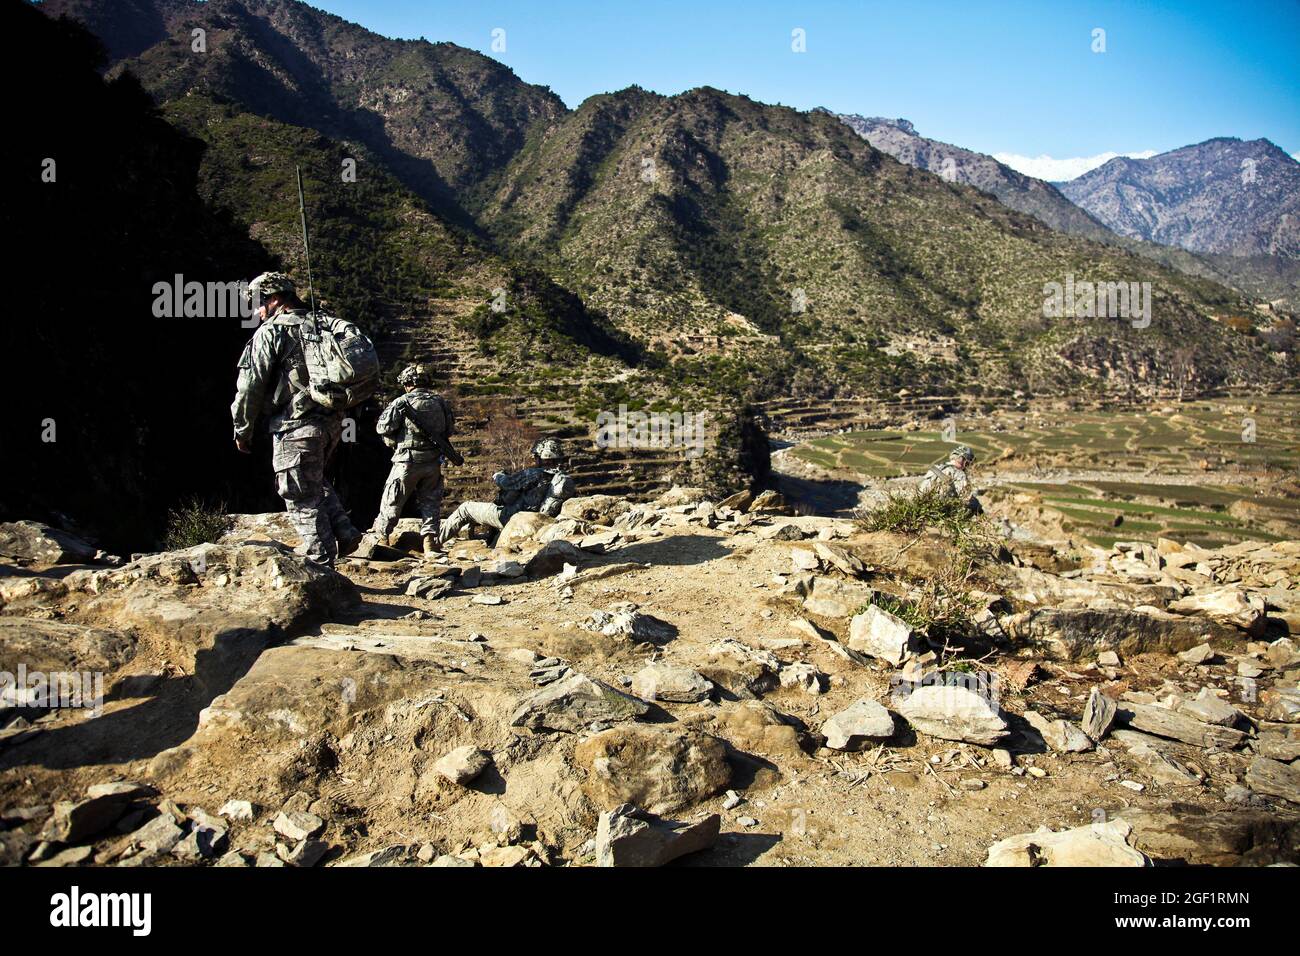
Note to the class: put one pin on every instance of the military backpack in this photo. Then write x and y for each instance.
(341, 361)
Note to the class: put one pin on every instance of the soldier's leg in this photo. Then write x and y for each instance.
(345, 532)
(428, 500)
(298, 457)
(397, 489)
(477, 512)
(428, 503)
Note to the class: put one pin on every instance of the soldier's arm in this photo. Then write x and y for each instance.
(515, 480)
(390, 419)
(562, 488)
(256, 372)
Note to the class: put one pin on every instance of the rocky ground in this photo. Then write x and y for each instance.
(717, 683)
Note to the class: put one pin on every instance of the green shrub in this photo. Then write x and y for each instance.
(914, 512)
(195, 522)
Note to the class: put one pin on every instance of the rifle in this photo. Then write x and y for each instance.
(306, 248)
(442, 441)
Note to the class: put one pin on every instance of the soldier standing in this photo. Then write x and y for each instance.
(543, 488)
(273, 378)
(418, 425)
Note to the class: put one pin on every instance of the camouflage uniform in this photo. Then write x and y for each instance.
(949, 481)
(542, 488)
(416, 474)
(304, 435)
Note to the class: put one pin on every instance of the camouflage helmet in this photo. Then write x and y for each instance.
(964, 452)
(414, 375)
(270, 283)
(549, 449)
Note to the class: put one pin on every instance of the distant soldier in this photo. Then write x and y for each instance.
(950, 479)
(273, 378)
(418, 424)
(543, 488)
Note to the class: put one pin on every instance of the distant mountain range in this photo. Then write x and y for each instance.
(742, 248)
(1234, 205)
(1225, 195)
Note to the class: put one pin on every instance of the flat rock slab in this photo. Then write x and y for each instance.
(576, 703)
(1211, 709)
(1178, 726)
(953, 713)
(1199, 837)
(1274, 778)
(1098, 844)
(1155, 757)
(626, 836)
(1072, 634)
(52, 646)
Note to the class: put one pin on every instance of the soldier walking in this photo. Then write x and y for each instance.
(273, 378)
(418, 425)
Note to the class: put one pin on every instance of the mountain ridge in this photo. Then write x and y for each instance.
(749, 249)
(1224, 195)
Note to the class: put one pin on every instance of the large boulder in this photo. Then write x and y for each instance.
(1061, 735)
(757, 727)
(630, 623)
(34, 543)
(552, 558)
(863, 723)
(656, 767)
(877, 633)
(521, 531)
(596, 509)
(832, 597)
(742, 669)
(661, 681)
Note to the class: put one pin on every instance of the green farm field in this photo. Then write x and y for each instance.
(1213, 472)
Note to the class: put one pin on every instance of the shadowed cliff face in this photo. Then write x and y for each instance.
(114, 414)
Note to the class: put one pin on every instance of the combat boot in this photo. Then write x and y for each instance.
(432, 546)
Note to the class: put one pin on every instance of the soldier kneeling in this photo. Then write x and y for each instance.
(950, 479)
(542, 488)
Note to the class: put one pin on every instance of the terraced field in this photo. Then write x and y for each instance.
(1228, 448)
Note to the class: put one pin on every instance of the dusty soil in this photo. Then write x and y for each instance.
(349, 714)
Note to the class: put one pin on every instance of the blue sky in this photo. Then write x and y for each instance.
(1014, 78)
